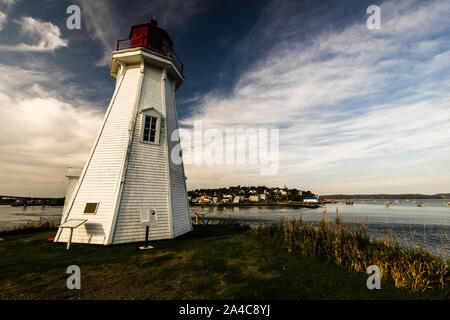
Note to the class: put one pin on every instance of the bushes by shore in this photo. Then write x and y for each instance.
(351, 248)
(31, 227)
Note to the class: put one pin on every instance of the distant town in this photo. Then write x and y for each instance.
(252, 195)
(241, 195)
(30, 201)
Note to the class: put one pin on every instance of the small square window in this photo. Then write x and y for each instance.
(91, 208)
(150, 129)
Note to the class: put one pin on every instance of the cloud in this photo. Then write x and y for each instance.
(358, 110)
(349, 102)
(44, 35)
(41, 133)
(105, 30)
(9, 3)
(3, 20)
(6, 4)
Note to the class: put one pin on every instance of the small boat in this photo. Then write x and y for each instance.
(348, 202)
(397, 201)
(419, 204)
(387, 204)
(446, 203)
(18, 203)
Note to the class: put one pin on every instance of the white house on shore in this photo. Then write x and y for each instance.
(130, 167)
(311, 200)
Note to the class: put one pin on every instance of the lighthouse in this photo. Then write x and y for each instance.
(130, 169)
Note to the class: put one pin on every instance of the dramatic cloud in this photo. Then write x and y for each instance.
(349, 103)
(45, 36)
(40, 133)
(357, 110)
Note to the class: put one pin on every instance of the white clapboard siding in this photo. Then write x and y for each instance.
(180, 205)
(102, 172)
(146, 174)
(124, 174)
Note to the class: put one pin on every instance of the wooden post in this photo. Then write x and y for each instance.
(196, 216)
(70, 238)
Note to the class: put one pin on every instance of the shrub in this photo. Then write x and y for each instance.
(31, 227)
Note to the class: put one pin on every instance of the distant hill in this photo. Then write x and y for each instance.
(388, 196)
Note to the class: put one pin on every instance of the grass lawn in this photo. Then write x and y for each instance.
(212, 262)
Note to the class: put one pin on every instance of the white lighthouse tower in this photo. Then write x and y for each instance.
(129, 168)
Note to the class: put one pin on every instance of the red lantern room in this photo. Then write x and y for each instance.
(149, 36)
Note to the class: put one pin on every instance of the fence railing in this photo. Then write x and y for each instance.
(130, 43)
(141, 41)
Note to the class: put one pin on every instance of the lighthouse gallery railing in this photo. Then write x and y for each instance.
(141, 42)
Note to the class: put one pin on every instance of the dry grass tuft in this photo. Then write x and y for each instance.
(351, 248)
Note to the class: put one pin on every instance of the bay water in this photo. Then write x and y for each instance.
(427, 226)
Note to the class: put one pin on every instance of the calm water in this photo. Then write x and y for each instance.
(428, 226)
(11, 217)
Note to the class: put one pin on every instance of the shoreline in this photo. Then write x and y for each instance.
(261, 204)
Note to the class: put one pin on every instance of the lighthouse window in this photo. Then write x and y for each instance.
(91, 208)
(150, 129)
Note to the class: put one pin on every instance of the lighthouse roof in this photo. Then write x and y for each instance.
(153, 26)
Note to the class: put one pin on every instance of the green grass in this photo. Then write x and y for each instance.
(212, 262)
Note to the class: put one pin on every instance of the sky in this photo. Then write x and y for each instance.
(357, 110)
